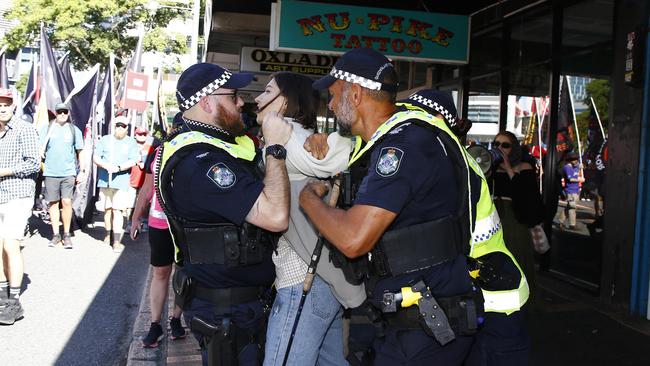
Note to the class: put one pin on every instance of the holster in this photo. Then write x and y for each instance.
(441, 318)
(355, 270)
(217, 339)
(182, 286)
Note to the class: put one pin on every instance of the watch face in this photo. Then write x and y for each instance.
(277, 151)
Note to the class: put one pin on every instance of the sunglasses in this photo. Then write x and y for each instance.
(505, 145)
(120, 125)
(63, 111)
(233, 94)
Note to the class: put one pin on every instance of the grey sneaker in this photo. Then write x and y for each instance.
(67, 241)
(56, 239)
(10, 312)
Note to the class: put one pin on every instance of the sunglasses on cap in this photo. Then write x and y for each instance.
(505, 145)
(120, 124)
(62, 111)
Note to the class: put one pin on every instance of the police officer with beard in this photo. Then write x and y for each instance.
(223, 206)
(405, 231)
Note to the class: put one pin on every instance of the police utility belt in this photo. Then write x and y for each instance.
(412, 249)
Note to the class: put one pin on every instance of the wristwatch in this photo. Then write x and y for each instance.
(277, 151)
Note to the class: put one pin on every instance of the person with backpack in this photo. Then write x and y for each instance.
(61, 143)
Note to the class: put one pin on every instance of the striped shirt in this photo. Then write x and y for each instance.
(18, 152)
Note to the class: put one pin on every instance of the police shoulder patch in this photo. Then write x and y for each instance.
(221, 175)
(389, 161)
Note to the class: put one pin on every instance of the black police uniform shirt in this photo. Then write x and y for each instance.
(410, 174)
(209, 185)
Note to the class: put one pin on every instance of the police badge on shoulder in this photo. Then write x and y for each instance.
(221, 175)
(389, 161)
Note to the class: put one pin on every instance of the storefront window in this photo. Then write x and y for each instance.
(578, 224)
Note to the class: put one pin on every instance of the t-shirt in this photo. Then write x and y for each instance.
(411, 175)
(571, 172)
(60, 155)
(209, 185)
(116, 152)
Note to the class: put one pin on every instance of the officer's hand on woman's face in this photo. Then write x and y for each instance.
(316, 144)
(275, 129)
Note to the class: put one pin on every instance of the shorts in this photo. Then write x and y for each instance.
(113, 198)
(57, 188)
(13, 217)
(162, 247)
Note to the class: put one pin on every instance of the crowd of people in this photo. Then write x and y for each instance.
(437, 254)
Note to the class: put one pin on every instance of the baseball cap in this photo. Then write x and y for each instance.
(202, 79)
(434, 102)
(61, 107)
(363, 66)
(6, 93)
(121, 120)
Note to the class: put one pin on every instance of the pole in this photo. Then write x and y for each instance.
(311, 270)
(600, 124)
(539, 140)
(575, 122)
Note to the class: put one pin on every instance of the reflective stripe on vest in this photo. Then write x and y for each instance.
(507, 301)
(243, 148)
(485, 228)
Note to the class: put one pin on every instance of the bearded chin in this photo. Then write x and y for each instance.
(230, 122)
(344, 127)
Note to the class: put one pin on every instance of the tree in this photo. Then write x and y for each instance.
(90, 30)
(599, 90)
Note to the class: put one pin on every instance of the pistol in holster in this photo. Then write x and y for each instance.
(182, 285)
(217, 340)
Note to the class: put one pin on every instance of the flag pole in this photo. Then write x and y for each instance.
(539, 140)
(575, 121)
(600, 124)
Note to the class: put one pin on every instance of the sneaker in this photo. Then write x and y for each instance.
(56, 239)
(178, 332)
(118, 248)
(67, 241)
(10, 312)
(155, 334)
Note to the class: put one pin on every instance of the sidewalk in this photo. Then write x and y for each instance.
(181, 352)
(567, 327)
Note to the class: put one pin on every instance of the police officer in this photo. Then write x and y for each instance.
(405, 220)
(503, 339)
(222, 205)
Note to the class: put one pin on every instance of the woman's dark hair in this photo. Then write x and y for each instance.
(516, 152)
(302, 99)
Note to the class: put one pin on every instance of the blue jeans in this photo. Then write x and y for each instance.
(319, 336)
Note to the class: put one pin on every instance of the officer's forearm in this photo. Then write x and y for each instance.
(271, 210)
(355, 231)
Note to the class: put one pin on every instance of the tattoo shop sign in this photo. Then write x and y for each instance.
(301, 26)
(262, 60)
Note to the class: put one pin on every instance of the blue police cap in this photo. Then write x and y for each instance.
(363, 66)
(202, 79)
(434, 102)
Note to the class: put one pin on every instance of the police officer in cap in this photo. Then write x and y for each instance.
(223, 204)
(405, 222)
(503, 339)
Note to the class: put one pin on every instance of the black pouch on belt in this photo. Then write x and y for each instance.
(182, 285)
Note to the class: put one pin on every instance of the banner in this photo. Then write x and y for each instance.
(135, 91)
(400, 34)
